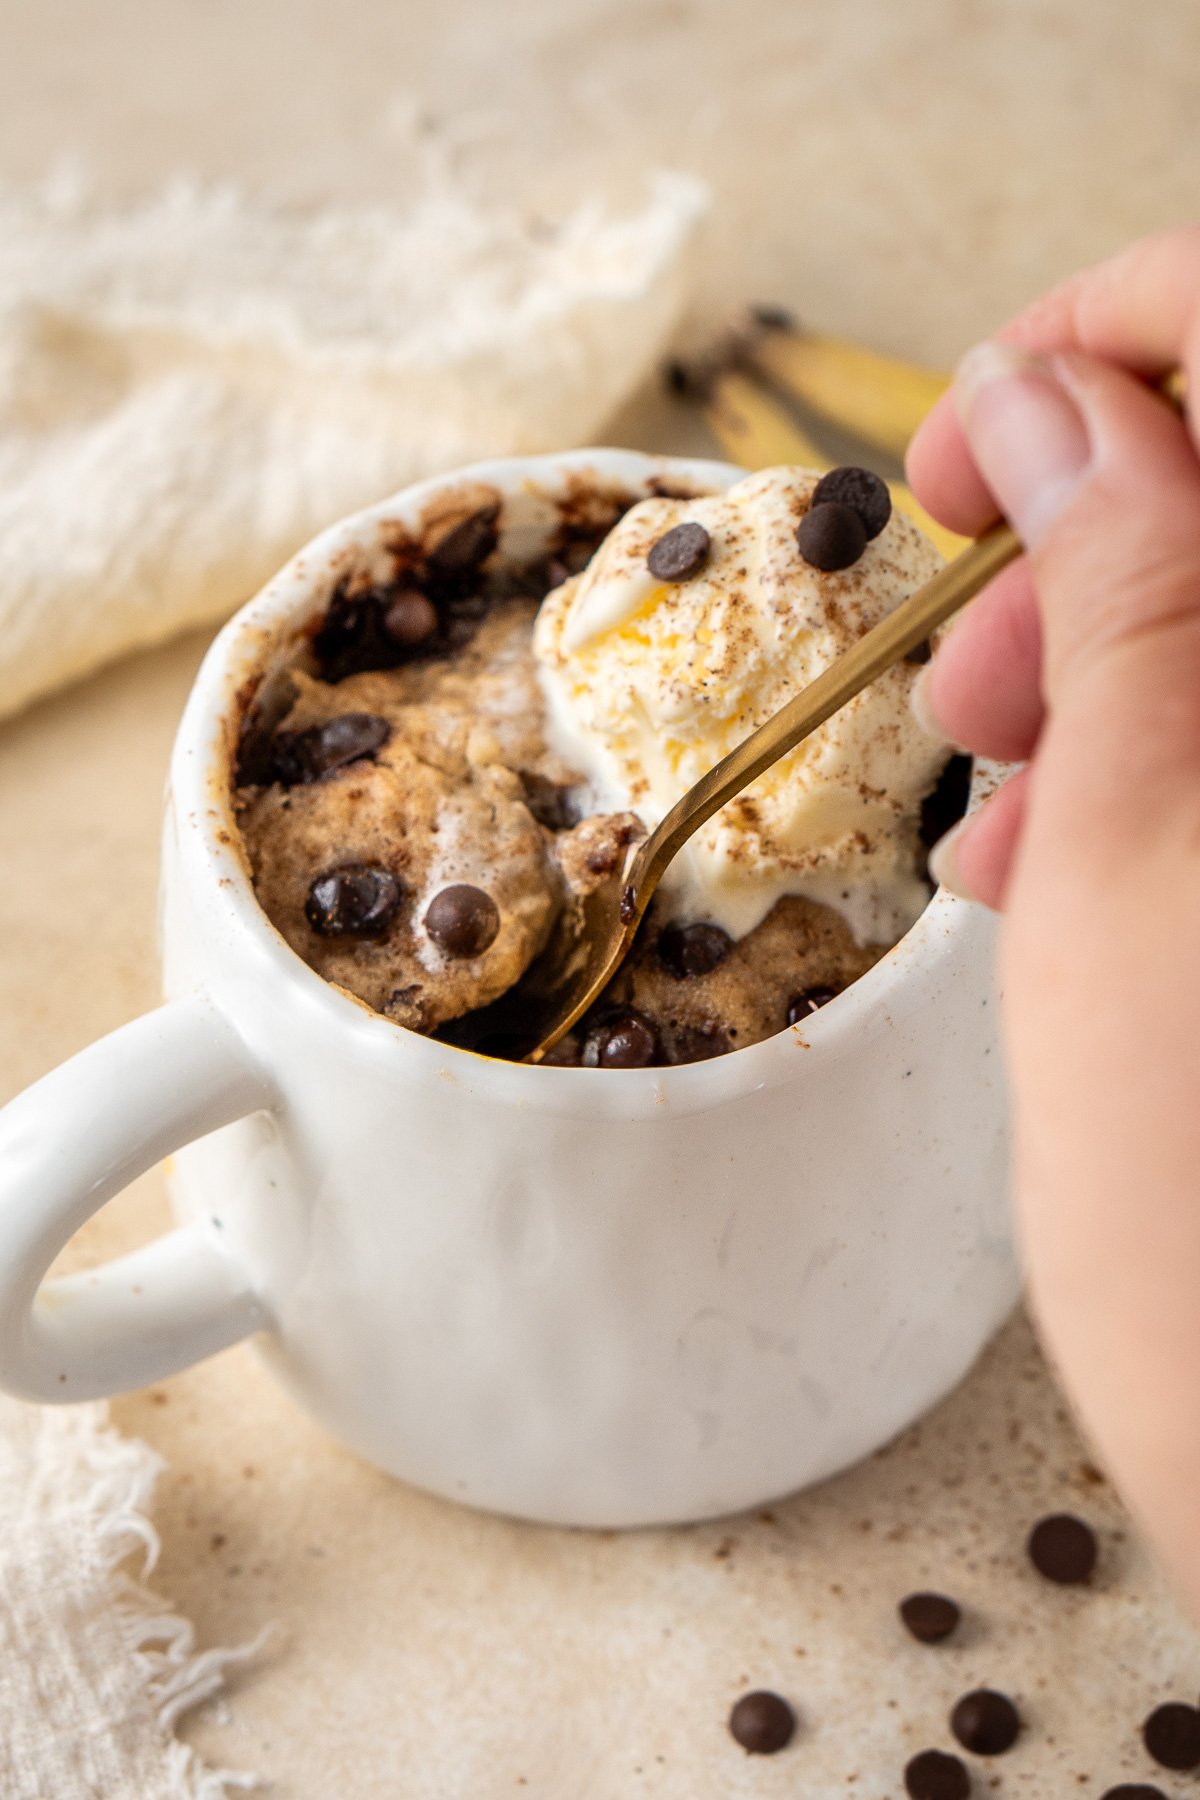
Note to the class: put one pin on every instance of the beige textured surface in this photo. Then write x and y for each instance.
(907, 173)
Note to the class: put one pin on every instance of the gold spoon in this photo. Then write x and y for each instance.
(595, 937)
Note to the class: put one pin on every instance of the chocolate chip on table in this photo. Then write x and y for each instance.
(929, 1617)
(831, 536)
(859, 489)
(359, 900)
(1133, 1790)
(304, 756)
(620, 1040)
(808, 1002)
(1172, 1735)
(411, 618)
(1063, 1549)
(696, 949)
(679, 554)
(762, 1723)
(462, 920)
(986, 1722)
(933, 1775)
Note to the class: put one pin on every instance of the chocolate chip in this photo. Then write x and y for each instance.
(620, 1040)
(929, 1617)
(357, 901)
(696, 949)
(411, 618)
(288, 759)
(948, 801)
(699, 1043)
(859, 489)
(762, 1723)
(679, 554)
(550, 804)
(985, 1722)
(808, 1002)
(1172, 1735)
(351, 735)
(462, 920)
(1063, 1549)
(465, 548)
(1133, 1790)
(831, 536)
(932, 1775)
(304, 756)
(352, 636)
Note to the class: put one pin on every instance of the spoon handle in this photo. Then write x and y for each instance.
(902, 630)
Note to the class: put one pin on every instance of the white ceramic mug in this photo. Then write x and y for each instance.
(583, 1296)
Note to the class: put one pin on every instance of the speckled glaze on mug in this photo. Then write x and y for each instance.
(583, 1296)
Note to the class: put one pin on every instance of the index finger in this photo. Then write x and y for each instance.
(1139, 309)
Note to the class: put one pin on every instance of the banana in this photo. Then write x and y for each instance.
(880, 399)
(757, 432)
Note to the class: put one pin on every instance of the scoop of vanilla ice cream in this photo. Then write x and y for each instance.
(649, 683)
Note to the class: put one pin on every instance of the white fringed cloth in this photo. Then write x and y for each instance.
(94, 1668)
(191, 388)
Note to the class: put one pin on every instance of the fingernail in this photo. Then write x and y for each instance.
(943, 863)
(1026, 434)
(922, 707)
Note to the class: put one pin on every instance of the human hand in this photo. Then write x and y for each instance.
(1083, 660)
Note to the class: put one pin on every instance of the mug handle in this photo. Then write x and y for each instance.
(71, 1142)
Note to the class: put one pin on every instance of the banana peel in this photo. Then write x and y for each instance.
(880, 399)
(757, 432)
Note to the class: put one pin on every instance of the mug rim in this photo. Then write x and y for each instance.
(200, 801)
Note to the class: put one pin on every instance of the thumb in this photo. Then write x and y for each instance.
(1100, 480)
